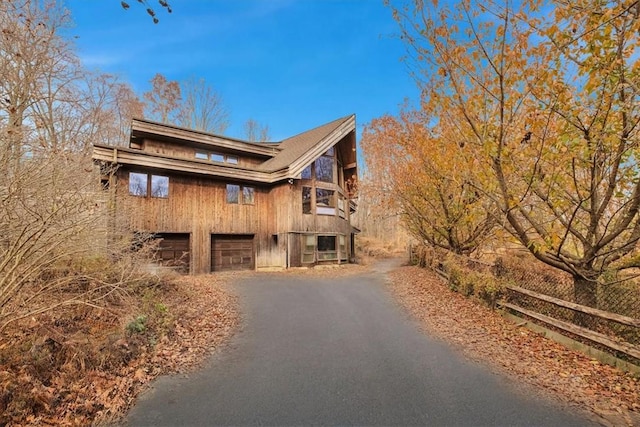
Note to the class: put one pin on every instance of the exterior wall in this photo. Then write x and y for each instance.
(188, 152)
(198, 206)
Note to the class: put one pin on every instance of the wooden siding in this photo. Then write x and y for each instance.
(232, 252)
(199, 206)
(188, 152)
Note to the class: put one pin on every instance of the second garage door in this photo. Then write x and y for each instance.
(232, 252)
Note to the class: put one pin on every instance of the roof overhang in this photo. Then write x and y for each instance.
(296, 168)
(266, 175)
(132, 157)
(149, 129)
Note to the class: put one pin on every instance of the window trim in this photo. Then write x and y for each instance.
(217, 157)
(150, 185)
(237, 194)
(330, 207)
(165, 193)
(327, 255)
(143, 188)
(244, 195)
(308, 250)
(240, 198)
(309, 202)
(331, 179)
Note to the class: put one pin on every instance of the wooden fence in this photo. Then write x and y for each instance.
(612, 344)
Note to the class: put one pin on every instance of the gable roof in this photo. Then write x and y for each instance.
(313, 143)
(283, 160)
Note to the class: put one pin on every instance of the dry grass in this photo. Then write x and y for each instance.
(83, 366)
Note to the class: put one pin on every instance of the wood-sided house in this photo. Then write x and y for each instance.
(220, 203)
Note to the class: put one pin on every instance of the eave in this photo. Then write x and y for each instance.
(148, 129)
(271, 171)
(298, 165)
(132, 157)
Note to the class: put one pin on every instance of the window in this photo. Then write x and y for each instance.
(248, 195)
(236, 196)
(141, 185)
(341, 207)
(215, 157)
(233, 193)
(306, 200)
(325, 202)
(159, 186)
(308, 248)
(137, 184)
(327, 248)
(202, 156)
(222, 158)
(306, 173)
(324, 169)
(343, 247)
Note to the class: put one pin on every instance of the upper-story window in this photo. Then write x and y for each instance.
(324, 166)
(236, 196)
(306, 173)
(141, 185)
(306, 200)
(325, 202)
(217, 157)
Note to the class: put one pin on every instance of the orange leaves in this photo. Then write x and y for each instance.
(93, 380)
(431, 176)
(528, 357)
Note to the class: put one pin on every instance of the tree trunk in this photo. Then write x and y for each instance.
(584, 292)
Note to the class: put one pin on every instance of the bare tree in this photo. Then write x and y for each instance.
(254, 132)
(53, 215)
(112, 105)
(164, 100)
(202, 107)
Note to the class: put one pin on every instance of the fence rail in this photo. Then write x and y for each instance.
(588, 334)
(609, 331)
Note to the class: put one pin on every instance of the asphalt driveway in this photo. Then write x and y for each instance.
(337, 351)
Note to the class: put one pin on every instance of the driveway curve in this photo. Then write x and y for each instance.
(337, 350)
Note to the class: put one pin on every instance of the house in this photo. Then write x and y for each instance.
(219, 203)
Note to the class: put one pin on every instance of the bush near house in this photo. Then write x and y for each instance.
(82, 365)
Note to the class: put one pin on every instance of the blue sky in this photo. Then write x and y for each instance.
(290, 64)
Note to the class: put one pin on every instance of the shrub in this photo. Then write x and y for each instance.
(137, 325)
(489, 289)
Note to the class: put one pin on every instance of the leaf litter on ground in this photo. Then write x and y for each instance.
(483, 335)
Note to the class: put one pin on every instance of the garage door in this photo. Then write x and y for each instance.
(173, 250)
(232, 252)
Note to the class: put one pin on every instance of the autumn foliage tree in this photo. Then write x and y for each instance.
(546, 98)
(430, 181)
